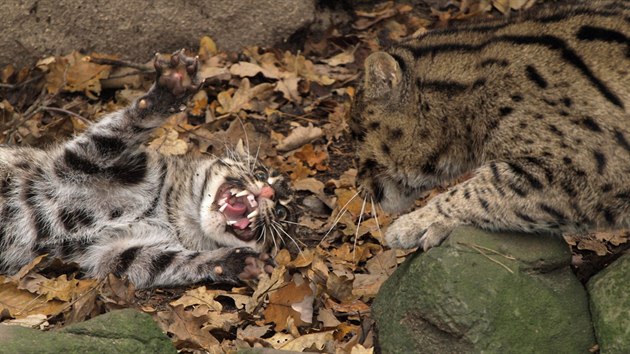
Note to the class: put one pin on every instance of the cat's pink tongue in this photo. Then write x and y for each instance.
(241, 224)
(235, 211)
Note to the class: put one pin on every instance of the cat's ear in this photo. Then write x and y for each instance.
(240, 148)
(382, 75)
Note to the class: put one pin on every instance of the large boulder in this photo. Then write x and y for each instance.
(137, 29)
(485, 292)
(609, 293)
(123, 331)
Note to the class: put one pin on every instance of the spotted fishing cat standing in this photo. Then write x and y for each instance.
(537, 107)
(103, 201)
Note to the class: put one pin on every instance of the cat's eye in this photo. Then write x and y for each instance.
(281, 212)
(261, 175)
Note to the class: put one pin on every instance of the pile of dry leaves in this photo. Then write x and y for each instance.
(291, 108)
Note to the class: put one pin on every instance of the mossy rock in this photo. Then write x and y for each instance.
(116, 332)
(485, 292)
(609, 293)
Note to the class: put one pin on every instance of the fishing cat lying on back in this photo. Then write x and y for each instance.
(537, 107)
(103, 201)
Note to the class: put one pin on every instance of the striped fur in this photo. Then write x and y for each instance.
(105, 202)
(536, 106)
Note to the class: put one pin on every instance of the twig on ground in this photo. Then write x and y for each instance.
(23, 83)
(115, 62)
(480, 249)
(61, 110)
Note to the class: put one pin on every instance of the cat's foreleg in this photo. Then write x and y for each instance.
(110, 149)
(149, 259)
(520, 195)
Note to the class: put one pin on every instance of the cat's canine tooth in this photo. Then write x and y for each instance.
(233, 191)
(252, 201)
(222, 201)
(252, 214)
(242, 193)
(231, 222)
(222, 208)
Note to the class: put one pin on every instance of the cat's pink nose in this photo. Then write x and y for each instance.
(266, 192)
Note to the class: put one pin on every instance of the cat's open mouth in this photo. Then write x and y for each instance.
(240, 209)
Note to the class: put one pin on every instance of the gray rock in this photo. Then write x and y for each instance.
(123, 331)
(609, 292)
(467, 296)
(138, 29)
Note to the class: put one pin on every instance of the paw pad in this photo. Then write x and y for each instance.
(177, 73)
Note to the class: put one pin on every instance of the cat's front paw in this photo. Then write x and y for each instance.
(242, 263)
(176, 79)
(177, 73)
(421, 228)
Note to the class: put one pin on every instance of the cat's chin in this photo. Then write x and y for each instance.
(240, 209)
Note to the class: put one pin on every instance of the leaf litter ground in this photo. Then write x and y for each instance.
(291, 108)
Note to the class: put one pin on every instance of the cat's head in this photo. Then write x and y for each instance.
(248, 204)
(396, 138)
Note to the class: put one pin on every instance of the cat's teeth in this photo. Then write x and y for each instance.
(222, 201)
(231, 222)
(252, 201)
(252, 214)
(222, 208)
(242, 193)
(233, 191)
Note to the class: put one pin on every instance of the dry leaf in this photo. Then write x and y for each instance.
(359, 349)
(299, 136)
(367, 285)
(21, 303)
(294, 300)
(309, 184)
(355, 306)
(279, 339)
(327, 318)
(233, 101)
(313, 157)
(289, 89)
(168, 142)
(312, 340)
(186, 328)
(593, 245)
(75, 73)
(207, 48)
(266, 284)
(345, 57)
(65, 290)
(199, 296)
(30, 321)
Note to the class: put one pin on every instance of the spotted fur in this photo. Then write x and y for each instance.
(105, 202)
(536, 107)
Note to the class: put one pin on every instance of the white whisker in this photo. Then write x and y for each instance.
(378, 225)
(289, 236)
(292, 223)
(249, 162)
(273, 238)
(256, 156)
(356, 234)
(338, 217)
